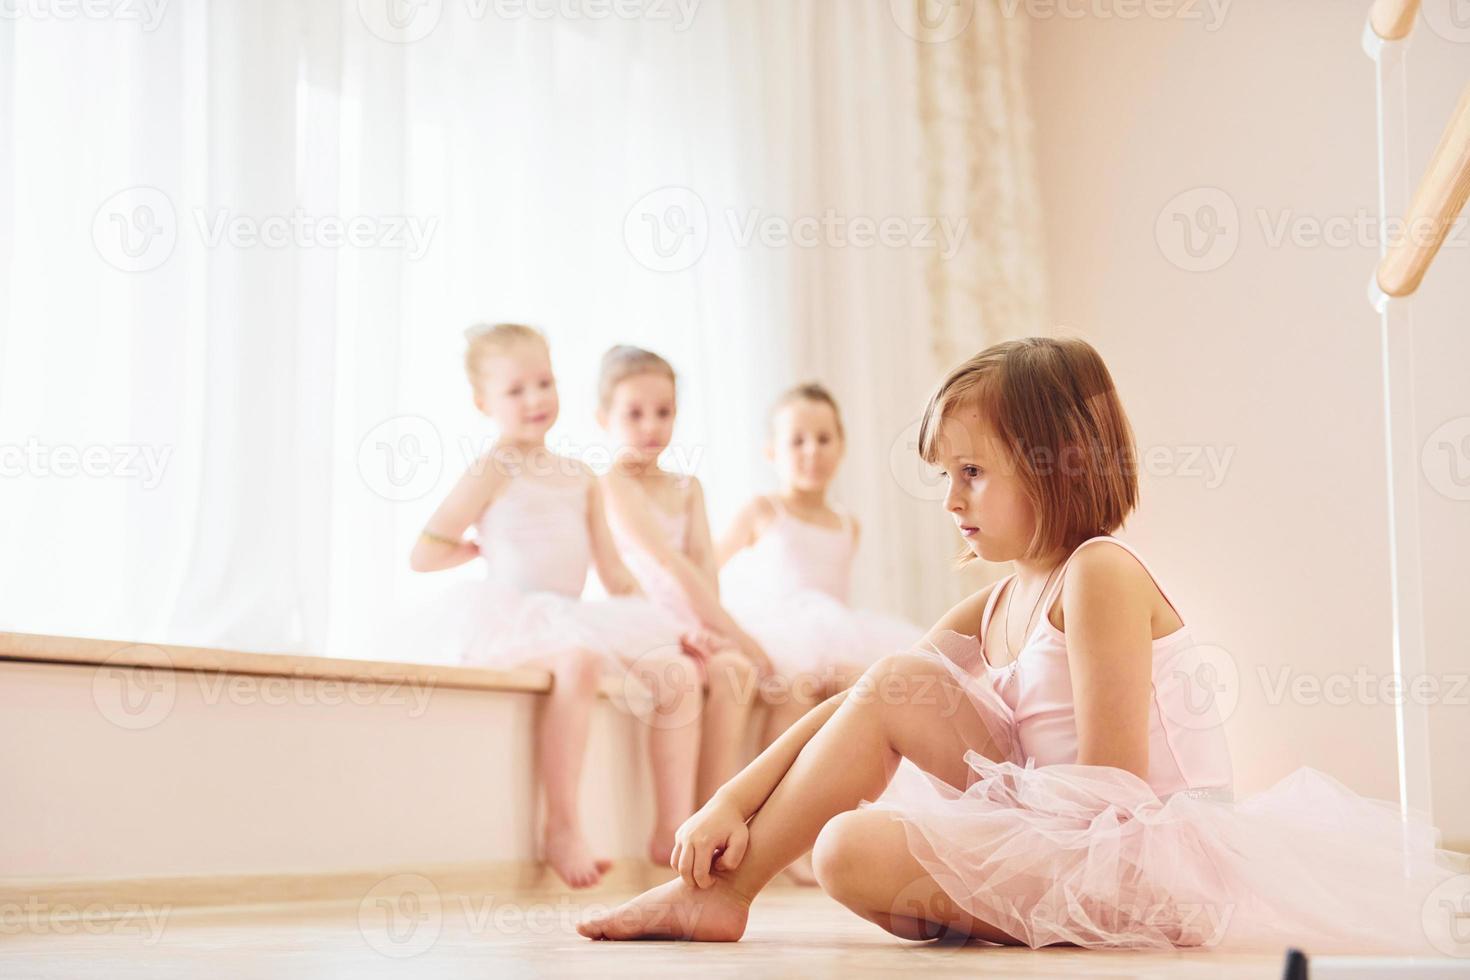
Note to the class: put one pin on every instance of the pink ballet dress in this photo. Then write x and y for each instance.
(1053, 852)
(535, 544)
(790, 591)
(661, 586)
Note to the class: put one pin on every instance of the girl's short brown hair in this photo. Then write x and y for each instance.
(1053, 406)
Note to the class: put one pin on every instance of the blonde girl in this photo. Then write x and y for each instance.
(787, 560)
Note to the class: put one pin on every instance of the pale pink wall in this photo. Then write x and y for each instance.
(1272, 356)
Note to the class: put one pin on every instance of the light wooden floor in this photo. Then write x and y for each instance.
(793, 932)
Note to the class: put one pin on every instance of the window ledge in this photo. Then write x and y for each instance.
(84, 652)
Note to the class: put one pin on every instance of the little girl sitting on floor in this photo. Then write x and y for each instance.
(1079, 786)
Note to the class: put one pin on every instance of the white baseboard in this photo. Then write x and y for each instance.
(102, 899)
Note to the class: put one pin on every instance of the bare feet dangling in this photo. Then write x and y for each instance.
(569, 856)
(674, 910)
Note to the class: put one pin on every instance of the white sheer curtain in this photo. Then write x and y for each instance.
(241, 245)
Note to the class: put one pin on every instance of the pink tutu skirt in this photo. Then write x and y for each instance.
(1089, 855)
(811, 632)
(490, 625)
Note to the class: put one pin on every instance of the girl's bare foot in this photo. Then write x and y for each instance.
(675, 910)
(661, 846)
(800, 871)
(572, 860)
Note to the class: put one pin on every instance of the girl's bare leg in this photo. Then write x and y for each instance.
(790, 698)
(840, 678)
(673, 744)
(906, 705)
(732, 695)
(562, 741)
(862, 859)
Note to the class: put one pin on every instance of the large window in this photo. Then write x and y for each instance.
(242, 242)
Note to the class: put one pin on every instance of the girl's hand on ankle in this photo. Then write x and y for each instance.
(713, 839)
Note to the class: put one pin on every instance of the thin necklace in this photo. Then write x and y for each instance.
(1011, 667)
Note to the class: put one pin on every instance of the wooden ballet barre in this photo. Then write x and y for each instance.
(1437, 204)
(1392, 20)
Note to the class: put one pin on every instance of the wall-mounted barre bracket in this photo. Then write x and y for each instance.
(1389, 21)
(1393, 20)
(1377, 298)
(1436, 206)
